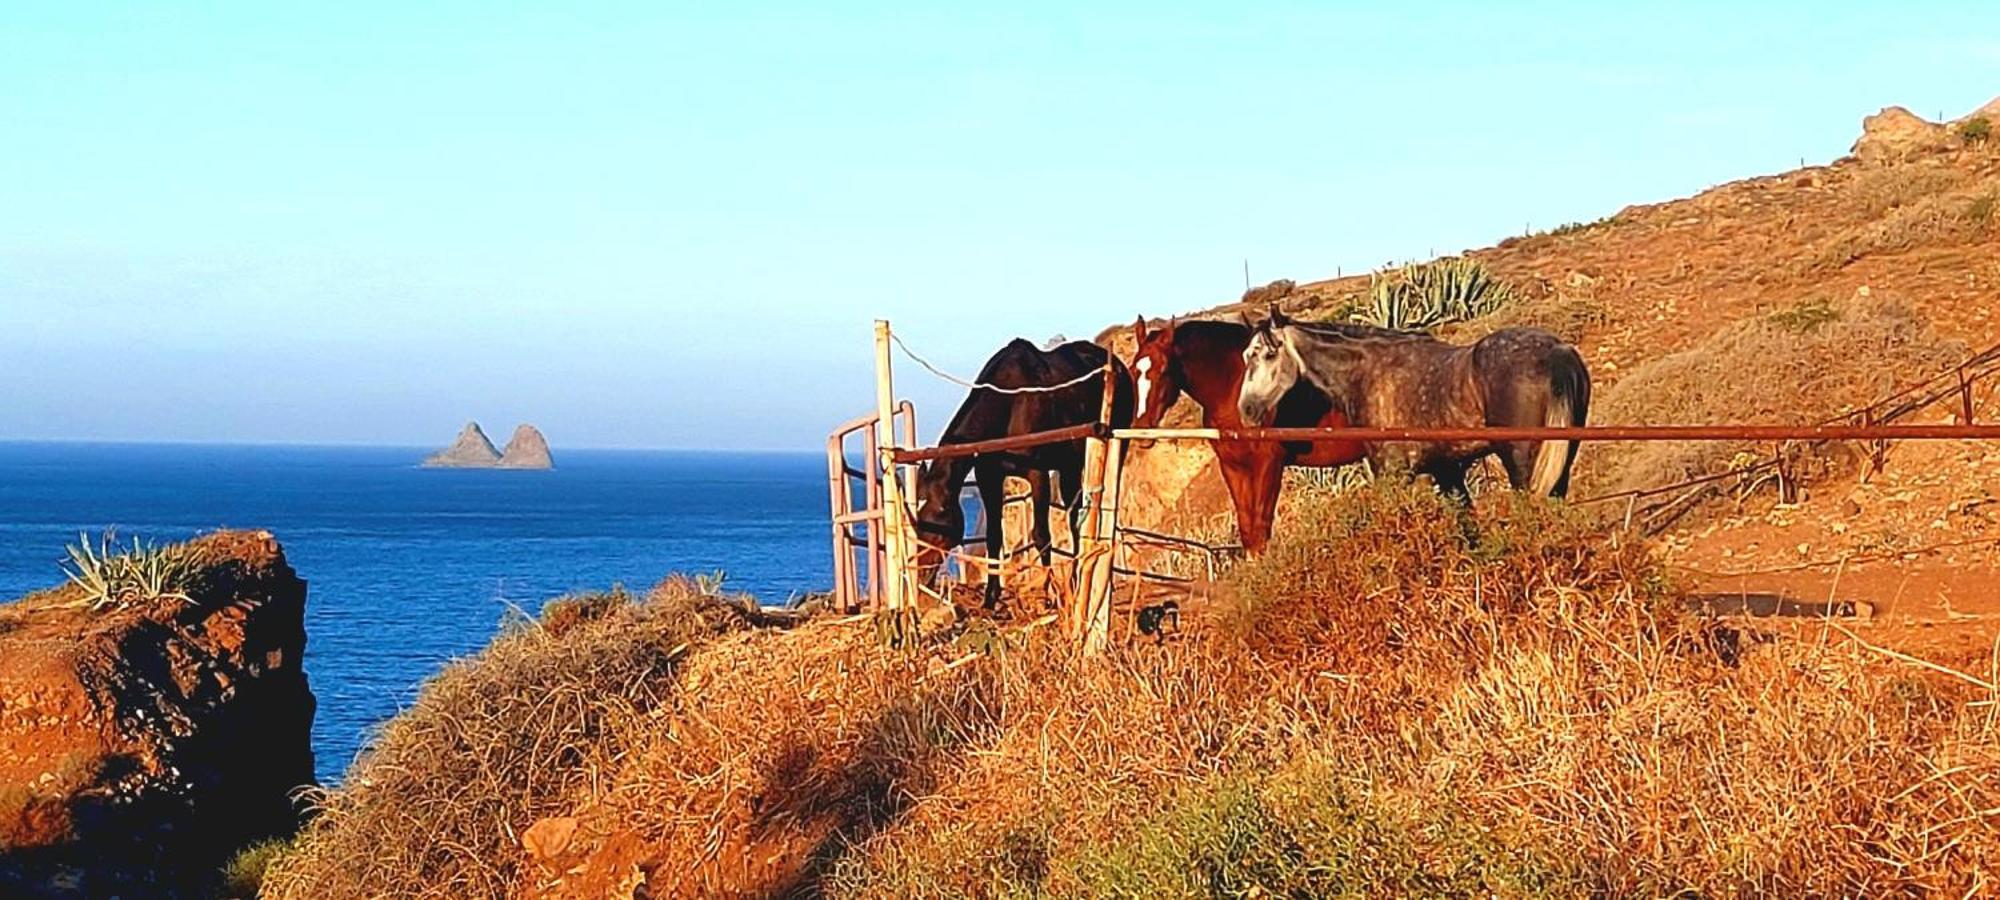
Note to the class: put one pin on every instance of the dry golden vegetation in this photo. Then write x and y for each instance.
(438, 802)
(1802, 364)
(1400, 698)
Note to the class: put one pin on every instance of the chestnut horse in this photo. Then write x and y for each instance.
(1204, 360)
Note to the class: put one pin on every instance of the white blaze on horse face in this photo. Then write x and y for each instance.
(1145, 370)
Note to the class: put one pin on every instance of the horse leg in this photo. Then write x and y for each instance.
(1518, 458)
(1071, 478)
(993, 496)
(1236, 463)
(1038, 489)
(1449, 475)
(1267, 480)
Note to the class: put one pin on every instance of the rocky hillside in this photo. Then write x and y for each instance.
(1776, 299)
(147, 734)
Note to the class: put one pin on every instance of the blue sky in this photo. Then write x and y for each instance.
(670, 225)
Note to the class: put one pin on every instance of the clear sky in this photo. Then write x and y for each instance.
(670, 225)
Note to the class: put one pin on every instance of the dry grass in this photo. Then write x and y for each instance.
(1402, 702)
(1798, 365)
(437, 805)
(1923, 215)
(1400, 698)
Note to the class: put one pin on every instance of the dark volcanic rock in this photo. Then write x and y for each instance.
(142, 745)
(471, 451)
(527, 450)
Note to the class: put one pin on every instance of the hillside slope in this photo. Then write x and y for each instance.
(1788, 298)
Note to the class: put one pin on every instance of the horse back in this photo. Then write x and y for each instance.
(988, 414)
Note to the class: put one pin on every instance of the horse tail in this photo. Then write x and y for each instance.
(1568, 405)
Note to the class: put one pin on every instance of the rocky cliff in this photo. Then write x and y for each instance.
(527, 449)
(142, 741)
(472, 450)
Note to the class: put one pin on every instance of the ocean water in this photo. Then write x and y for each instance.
(407, 567)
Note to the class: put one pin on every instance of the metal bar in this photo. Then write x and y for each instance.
(1177, 539)
(1582, 433)
(873, 502)
(838, 499)
(1014, 442)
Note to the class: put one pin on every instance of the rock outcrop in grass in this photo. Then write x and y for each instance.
(148, 731)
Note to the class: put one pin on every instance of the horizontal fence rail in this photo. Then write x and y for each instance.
(996, 445)
(1528, 433)
(1580, 433)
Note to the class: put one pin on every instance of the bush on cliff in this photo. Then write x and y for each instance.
(440, 799)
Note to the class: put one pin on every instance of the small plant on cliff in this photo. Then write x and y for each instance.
(1806, 316)
(111, 576)
(1975, 130)
(1424, 296)
(1980, 211)
(243, 876)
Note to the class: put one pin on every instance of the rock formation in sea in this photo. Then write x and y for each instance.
(471, 451)
(143, 741)
(527, 449)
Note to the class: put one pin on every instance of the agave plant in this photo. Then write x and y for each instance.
(710, 585)
(1333, 480)
(112, 576)
(1423, 296)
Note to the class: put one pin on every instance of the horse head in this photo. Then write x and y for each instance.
(1270, 367)
(939, 519)
(1155, 374)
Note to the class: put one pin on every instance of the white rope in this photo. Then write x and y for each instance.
(973, 385)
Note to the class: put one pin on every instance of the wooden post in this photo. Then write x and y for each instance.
(1092, 616)
(844, 598)
(1097, 630)
(872, 484)
(892, 493)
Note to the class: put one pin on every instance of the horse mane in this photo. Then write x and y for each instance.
(1361, 331)
(1191, 334)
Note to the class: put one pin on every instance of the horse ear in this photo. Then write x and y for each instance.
(1139, 329)
(1278, 319)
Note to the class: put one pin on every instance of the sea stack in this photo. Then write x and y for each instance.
(471, 451)
(527, 449)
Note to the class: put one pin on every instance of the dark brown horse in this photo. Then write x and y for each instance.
(1390, 379)
(1204, 360)
(987, 414)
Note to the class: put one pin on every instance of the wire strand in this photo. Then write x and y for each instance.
(974, 385)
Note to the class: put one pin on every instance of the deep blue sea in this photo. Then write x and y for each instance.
(410, 567)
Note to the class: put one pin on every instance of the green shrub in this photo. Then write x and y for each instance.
(1428, 295)
(1308, 832)
(1975, 130)
(243, 875)
(1980, 211)
(111, 576)
(1806, 316)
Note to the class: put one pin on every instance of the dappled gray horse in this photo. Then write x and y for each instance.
(1394, 379)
